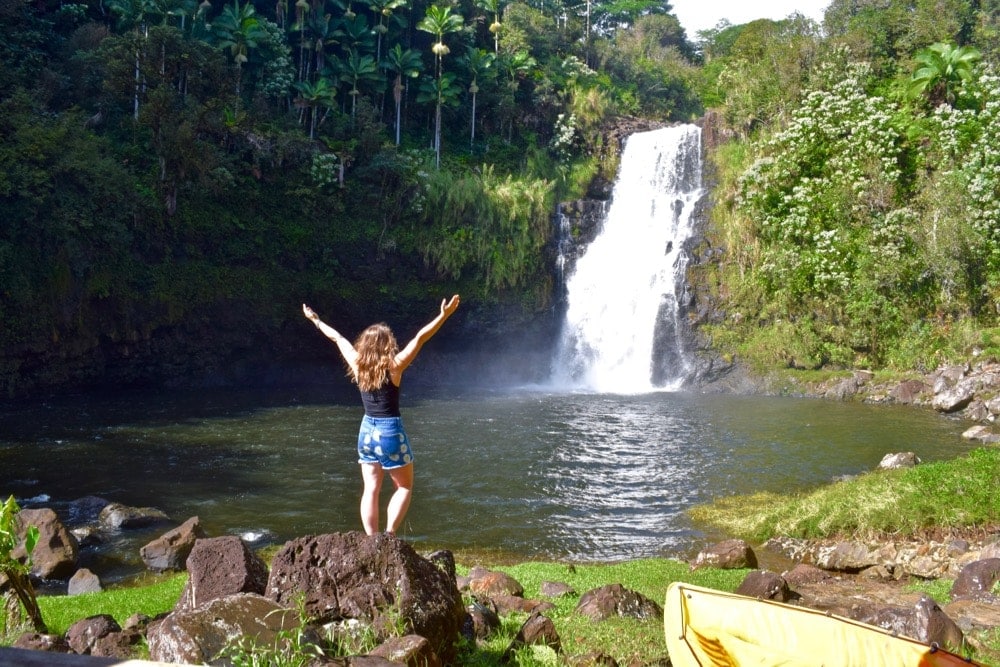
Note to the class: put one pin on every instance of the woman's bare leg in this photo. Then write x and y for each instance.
(371, 475)
(400, 501)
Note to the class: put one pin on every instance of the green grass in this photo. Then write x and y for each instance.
(628, 641)
(151, 595)
(951, 494)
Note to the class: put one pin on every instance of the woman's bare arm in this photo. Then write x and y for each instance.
(406, 356)
(346, 348)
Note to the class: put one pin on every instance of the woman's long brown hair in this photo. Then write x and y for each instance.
(376, 348)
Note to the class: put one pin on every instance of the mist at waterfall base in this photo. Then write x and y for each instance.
(594, 465)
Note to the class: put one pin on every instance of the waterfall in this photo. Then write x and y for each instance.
(623, 327)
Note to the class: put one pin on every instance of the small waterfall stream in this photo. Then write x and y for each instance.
(623, 330)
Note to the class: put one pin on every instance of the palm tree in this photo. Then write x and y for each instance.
(321, 35)
(238, 29)
(442, 91)
(355, 33)
(135, 14)
(944, 70)
(479, 63)
(355, 69)
(493, 6)
(402, 62)
(312, 97)
(439, 21)
(384, 10)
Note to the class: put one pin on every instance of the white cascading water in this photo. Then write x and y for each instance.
(625, 285)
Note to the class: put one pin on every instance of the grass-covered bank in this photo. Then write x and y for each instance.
(956, 494)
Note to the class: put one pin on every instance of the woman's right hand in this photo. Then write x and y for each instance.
(309, 313)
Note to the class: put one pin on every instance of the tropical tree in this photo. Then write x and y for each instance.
(13, 569)
(494, 7)
(313, 97)
(383, 9)
(944, 70)
(355, 69)
(134, 15)
(479, 63)
(403, 63)
(320, 35)
(238, 29)
(439, 21)
(355, 33)
(442, 91)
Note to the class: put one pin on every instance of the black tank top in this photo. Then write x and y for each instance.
(382, 402)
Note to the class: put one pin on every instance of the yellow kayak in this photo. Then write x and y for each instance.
(706, 627)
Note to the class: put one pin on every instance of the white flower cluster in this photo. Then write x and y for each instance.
(325, 169)
(825, 181)
(564, 136)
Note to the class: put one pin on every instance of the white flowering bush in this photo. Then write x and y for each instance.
(565, 137)
(325, 169)
(967, 142)
(824, 183)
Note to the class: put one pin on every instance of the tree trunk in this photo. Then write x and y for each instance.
(26, 594)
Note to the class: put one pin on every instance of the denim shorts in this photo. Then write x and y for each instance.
(382, 440)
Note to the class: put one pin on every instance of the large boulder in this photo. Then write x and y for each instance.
(219, 567)
(55, 554)
(199, 636)
(379, 579)
(170, 550)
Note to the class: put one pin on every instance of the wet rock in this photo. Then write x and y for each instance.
(898, 460)
(55, 553)
(116, 516)
(84, 581)
(170, 550)
(198, 636)
(219, 567)
(616, 600)
(727, 555)
(85, 510)
(379, 578)
(981, 433)
(954, 399)
(909, 392)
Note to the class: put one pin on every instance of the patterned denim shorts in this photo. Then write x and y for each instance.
(382, 440)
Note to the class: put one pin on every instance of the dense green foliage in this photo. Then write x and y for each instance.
(178, 177)
(860, 210)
